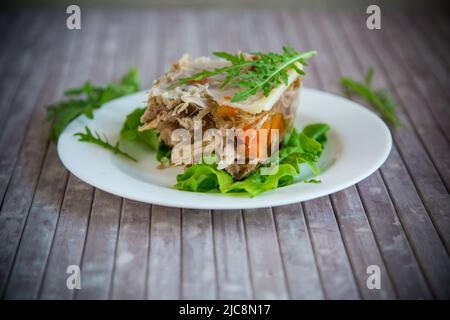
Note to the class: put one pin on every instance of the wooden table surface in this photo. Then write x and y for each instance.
(397, 219)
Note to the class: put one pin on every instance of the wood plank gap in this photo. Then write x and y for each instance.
(315, 253)
(252, 286)
(214, 255)
(41, 282)
(181, 256)
(283, 265)
(111, 282)
(3, 291)
(147, 265)
(94, 190)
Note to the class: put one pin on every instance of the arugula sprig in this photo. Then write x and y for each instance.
(85, 99)
(379, 99)
(264, 73)
(104, 143)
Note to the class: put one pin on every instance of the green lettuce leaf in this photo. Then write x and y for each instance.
(130, 131)
(304, 147)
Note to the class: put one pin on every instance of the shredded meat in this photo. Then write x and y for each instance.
(170, 109)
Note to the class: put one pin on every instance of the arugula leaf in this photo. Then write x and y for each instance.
(85, 99)
(378, 99)
(305, 147)
(90, 138)
(264, 73)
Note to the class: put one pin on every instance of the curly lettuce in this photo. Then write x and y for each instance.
(304, 147)
(130, 131)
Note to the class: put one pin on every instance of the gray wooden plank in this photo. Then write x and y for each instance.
(130, 269)
(7, 20)
(76, 208)
(17, 201)
(434, 79)
(198, 273)
(361, 244)
(148, 40)
(426, 106)
(419, 229)
(10, 41)
(170, 48)
(12, 126)
(164, 269)
(233, 274)
(191, 41)
(72, 226)
(18, 39)
(100, 247)
(429, 176)
(97, 267)
(386, 226)
(302, 275)
(400, 260)
(332, 260)
(427, 179)
(37, 237)
(266, 266)
(434, 27)
(411, 211)
(69, 239)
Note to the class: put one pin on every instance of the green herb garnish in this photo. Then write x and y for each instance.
(90, 138)
(85, 99)
(379, 99)
(264, 73)
(305, 147)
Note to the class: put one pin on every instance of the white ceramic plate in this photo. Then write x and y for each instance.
(359, 142)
